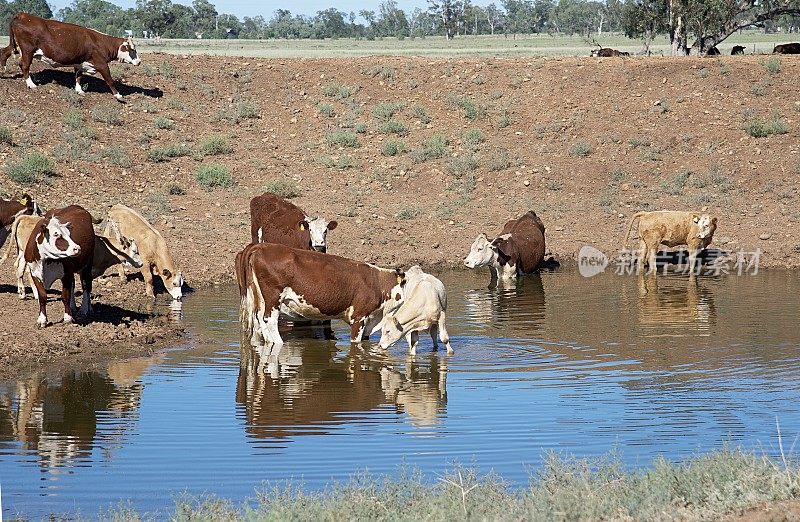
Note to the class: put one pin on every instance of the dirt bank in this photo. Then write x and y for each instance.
(583, 142)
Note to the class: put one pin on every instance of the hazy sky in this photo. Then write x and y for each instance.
(265, 9)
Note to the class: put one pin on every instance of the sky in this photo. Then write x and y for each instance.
(254, 7)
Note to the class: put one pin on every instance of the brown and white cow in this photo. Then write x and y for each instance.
(275, 220)
(58, 44)
(789, 48)
(125, 224)
(277, 280)
(60, 246)
(671, 228)
(10, 209)
(607, 52)
(518, 250)
(107, 252)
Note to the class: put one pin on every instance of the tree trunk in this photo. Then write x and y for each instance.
(648, 40)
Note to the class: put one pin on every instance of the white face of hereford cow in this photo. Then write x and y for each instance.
(481, 253)
(706, 225)
(318, 228)
(54, 240)
(174, 284)
(127, 53)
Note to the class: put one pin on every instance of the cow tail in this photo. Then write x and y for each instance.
(12, 243)
(6, 52)
(630, 228)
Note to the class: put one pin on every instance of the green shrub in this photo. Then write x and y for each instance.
(773, 65)
(461, 165)
(421, 114)
(580, 148)
(360, 128)
(407, 213)
(499, 160)
(32, 168)
(342, 163)
(342, 139)
(758, 128)
(243, 110)
(393, 148)
(6, 136)
(337, 90)
(504, 120)
(468, 107)
(384, 111)
(212, 175)
(285, 188)
(474, 137)
(107, 113)
(215, 145)
(433, 148)
(116, 156)
(392, 126)
(162, 123)
(73, 119)
(158, 204)
(326, 109)
(159, 154)
(676, 183)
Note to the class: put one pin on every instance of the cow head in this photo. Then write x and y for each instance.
(706, 225)
(132, 252)
(481, 253)
(318, 229)
(391, 331)
(173, 283)
(54, 240)
(127, 53)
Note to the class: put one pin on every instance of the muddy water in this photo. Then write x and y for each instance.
(581, 366)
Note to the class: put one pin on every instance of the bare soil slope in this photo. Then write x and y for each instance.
(583, 142)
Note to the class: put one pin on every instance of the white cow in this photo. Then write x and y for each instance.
(424, 309)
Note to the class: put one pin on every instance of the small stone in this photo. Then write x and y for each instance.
(435, 245)
(527, 183)
(765, 236)
(620, 215)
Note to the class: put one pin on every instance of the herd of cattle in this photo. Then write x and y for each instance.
(285, 273)
(789, 48)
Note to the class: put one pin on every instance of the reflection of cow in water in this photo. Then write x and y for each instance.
(518, 310)
(58, 416)
(674, 306)
(285, 393)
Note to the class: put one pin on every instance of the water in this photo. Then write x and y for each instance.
(579, 366)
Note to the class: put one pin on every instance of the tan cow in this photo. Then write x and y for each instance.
(423, 310)
(671, 228)
(125, 223)
(107, 252)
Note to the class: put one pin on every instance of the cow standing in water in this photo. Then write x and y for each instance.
(60, 246)
(66, 45)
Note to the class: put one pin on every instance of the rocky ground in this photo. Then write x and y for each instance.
(414, 157)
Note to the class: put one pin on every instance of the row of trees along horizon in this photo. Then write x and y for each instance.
(693, 26)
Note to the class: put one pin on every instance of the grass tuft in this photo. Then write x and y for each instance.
(215, 145)
(6, 136)
(108, 114)
(433, 148)
(32, 168)
(342, 139)
(393, 148)
(212, 175)
(758, 128)
(285, 188)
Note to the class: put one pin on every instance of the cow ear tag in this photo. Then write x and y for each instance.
(302, 226)
(23, 202)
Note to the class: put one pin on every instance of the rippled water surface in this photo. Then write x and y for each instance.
(560, 363)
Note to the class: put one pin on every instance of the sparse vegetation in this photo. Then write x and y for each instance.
(384, 72)
(160, 154)
(240, 111)
(580, 149)
(504, 120)
(107, 113)
(498, 160)
(116, 156)
(215, 146)
(473, 137)
(384, 111)
(407, 213)
(342, 139)
(326, 109)
(31, 168)
(421, 114)
(73, 119)
(392, 126)
(433, 148)
(213, 175)
(462, 165)
(337, 90)
(773, 65)
(6, 136)
(342, 162)
(162, 123)
(758, 128)
(283, 187)
(553, 185)
(712, 180)
(173, 189)
(469, 108)
(464, 185)
(157, 205)
(675, 184)
(162, 69)
(393, 147)
(360, 128)
(760, 88)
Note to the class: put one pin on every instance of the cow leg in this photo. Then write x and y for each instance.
(68, 296)
(147, 274)
(19, 266)
(41, 293)
(693, 252)
(86, 286)
(413, 341)
(102, 68)
(25, 67)
(78, 75)
(269, 328)
(443, 335)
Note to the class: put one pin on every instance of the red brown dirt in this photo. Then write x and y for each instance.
(644, 120)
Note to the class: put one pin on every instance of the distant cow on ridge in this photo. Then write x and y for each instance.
(66, 45)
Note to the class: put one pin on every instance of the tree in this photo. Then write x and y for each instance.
(155, 15)
(96, 14)
(493, 16)
(446, 11)
(204, 17)
(34, 7)
(644, 19)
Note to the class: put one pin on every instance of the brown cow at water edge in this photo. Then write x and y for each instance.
(58, 44)
(275, 220)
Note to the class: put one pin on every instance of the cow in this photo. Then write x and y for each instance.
(60, 246)
(518, 250)
(671, 228)
(789, 48)
(275, 220)
(277, 280)
(107, 252)
(737, 49)
(59, 44)
(423, 310)
(125, 224)
(10, 209)
(607, 52)
(713, 52)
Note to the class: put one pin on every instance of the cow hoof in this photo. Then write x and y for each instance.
(119, 98)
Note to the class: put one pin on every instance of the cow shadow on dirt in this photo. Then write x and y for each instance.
(91, 84)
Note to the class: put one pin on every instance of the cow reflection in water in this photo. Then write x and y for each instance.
(57, 415)
(675, 306)
(518, 309)
(304, 387)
